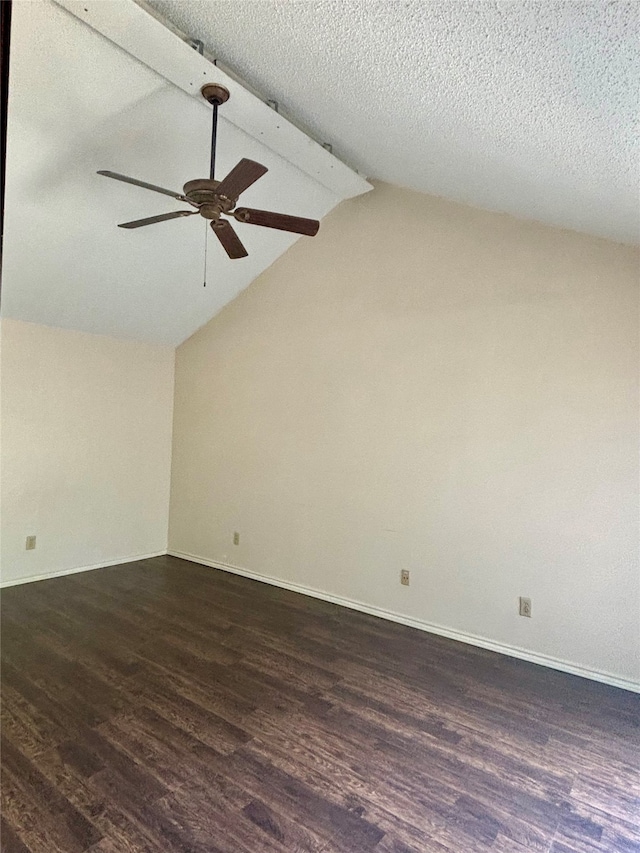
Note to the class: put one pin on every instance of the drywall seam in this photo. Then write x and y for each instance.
(79, 569)
(421, 625)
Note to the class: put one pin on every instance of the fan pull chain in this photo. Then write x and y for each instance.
(206, 246)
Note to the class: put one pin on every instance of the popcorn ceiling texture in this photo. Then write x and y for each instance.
(529, 108)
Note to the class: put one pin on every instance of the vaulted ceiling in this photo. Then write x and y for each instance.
(526, 107)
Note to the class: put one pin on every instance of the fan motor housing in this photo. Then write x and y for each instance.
(202, 191)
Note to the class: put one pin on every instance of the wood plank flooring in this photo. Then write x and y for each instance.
(167, 707)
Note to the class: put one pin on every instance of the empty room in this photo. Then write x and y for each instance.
(320, 441)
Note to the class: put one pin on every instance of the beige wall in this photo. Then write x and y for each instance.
(428, 387)
(86, 449)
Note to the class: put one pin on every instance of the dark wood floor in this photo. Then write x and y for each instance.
(171, 708)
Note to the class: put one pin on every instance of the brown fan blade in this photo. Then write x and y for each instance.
(240, 178)
(144, 185)
(231, 243)
(138, 223)
(296, 224)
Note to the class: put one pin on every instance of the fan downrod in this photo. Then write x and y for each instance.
(216, 95)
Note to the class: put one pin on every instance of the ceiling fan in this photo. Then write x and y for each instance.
(213, 198)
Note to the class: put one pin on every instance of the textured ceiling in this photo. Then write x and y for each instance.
(525, 107)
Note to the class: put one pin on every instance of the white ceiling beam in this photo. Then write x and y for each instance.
(133, 29)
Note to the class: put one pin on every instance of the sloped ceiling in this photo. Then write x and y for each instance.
(525, 107)
(78, 104)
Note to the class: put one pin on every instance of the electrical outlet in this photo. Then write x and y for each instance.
(525, 606)
(404, 577)
(236, 538)
(30, 544)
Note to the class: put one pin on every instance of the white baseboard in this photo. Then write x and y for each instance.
(49, 575)
(461, 636)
